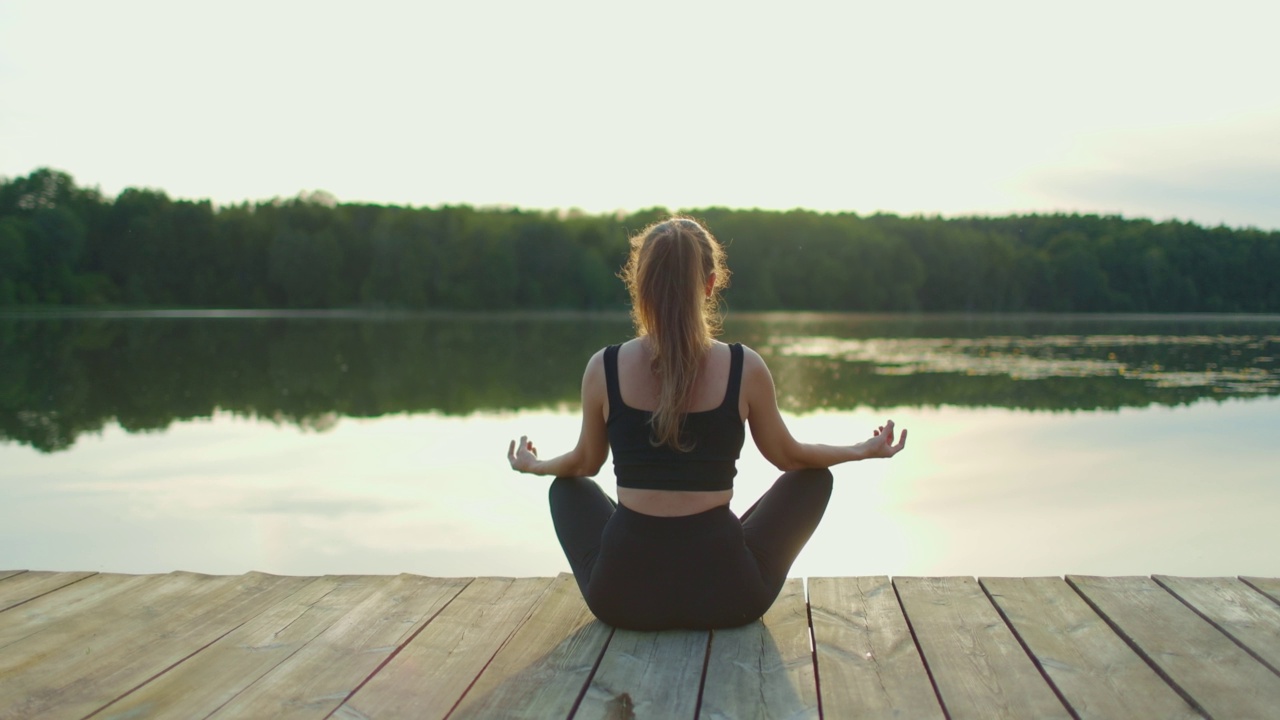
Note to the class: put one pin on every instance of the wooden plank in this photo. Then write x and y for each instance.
(1211, 670)
(79, 599)
(764, 669)
(159, 645)
(647, 674)
(432, 671)
(978, 666)
(5, 574)
(205, 682)
(543, 670)
(1267, 586)
(1095, 671)
(316, 679)
(1250, 618)
(70, 642)
(29, 585)
(868, 663)
(87, 661)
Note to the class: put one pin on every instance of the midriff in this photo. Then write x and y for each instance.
(672, 503)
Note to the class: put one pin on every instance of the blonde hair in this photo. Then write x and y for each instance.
(666, 275)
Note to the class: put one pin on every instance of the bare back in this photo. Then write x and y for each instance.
(639, 389)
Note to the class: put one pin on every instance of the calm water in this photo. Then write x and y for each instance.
(355, 444)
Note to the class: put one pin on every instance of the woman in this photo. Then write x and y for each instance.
(671, 404)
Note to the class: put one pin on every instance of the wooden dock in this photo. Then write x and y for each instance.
(183, 645)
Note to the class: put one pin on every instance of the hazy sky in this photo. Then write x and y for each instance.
(1153, 109)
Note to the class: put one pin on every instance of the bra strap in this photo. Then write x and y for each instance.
(735, 375)
(611, 378)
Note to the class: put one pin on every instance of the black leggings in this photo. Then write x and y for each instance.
(703, 571)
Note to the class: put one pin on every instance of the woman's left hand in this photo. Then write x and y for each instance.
(523, 455)
(881, 444)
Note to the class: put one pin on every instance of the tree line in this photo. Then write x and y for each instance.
(61, 245)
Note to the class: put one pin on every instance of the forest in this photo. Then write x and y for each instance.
(64, 245)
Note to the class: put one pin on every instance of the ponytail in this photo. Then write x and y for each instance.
(666, 275)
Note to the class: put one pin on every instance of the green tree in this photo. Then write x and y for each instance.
(15, 268)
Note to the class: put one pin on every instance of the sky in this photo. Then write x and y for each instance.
(1164, 110)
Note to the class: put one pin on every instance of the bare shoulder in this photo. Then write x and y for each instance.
(757, 385)
(752, 364)
(595, 365)
(595, 397)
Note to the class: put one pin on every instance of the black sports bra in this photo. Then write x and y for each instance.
(717, 436)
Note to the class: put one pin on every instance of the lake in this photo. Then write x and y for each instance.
(296, 443)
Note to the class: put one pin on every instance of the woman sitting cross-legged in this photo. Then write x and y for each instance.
(671, 404)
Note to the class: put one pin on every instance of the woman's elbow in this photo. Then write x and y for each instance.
(788, 466)
(591, 466)
(787, 457)
(785, 462)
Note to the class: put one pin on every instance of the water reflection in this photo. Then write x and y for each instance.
(981, 491)
(63, 377)
(1118, 370)
(356, 444)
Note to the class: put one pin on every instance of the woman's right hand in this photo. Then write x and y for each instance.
(523, 455)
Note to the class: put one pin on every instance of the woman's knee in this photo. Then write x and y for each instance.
(567, 485)
(811, 479)
(573, 496)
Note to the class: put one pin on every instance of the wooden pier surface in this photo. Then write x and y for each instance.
(183, 645)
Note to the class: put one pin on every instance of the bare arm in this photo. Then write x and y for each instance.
(775, 441)
(586, 458)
